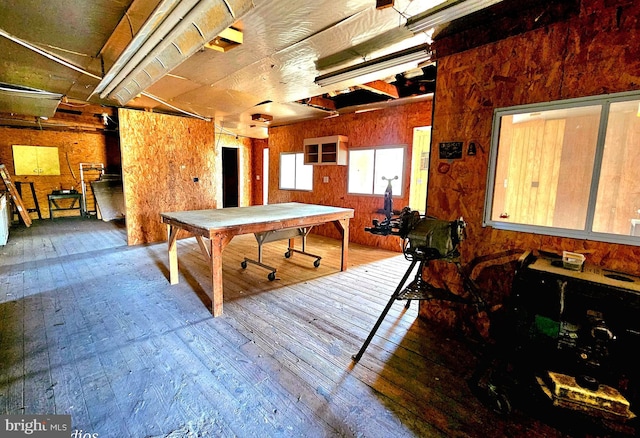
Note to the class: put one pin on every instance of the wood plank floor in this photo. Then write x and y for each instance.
(92, 328)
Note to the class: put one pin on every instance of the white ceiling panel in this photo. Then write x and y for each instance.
(286, 45)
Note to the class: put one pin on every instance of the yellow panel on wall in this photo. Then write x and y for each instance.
(36, 160)
(25, 161)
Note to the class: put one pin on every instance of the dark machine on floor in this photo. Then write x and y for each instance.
(568, 336)
(578, 332)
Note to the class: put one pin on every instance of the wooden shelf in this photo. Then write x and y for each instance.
(326, 150)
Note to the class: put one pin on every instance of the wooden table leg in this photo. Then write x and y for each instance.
(173, 254)
(343, 226)
(218, 243)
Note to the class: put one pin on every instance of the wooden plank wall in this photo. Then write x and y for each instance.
(75, 146)
(619, 174)
(594, 51)
(161, 156)
(391, 126)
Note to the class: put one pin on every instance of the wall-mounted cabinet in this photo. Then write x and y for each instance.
(326, 150)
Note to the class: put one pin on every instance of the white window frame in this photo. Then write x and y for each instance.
(298, 167)
(397, 185)
(587, 233)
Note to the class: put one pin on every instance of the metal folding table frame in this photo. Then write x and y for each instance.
(275, 235)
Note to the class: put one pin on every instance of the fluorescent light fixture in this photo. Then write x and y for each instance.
(446, 12)
(413, 54)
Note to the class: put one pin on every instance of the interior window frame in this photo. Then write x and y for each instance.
(295, 179)
(605, 101)
(397, 185)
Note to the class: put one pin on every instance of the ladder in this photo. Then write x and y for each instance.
(17, 200)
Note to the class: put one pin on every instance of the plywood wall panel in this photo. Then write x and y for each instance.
(161, 156)
(596, 52)
(391, 126)
(73, 148)
(606, 58)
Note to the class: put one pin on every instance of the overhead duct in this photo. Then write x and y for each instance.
(156, 28)
(165, 50)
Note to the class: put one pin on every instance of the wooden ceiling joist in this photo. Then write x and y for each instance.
(381, 87)
(320, 102)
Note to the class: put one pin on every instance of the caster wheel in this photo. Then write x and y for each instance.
(498, 400)
(316, 263)
(271, 276)
(244, 265)
(287, 254)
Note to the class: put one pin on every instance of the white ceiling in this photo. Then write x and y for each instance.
(67, 46)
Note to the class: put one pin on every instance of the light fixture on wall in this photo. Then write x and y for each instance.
(414, 54)
(176, 30)
(446, 12)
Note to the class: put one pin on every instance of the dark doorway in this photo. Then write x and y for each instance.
(230, 177)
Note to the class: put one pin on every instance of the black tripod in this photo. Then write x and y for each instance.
(420, 289)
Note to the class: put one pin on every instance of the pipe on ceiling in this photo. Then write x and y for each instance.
(154, 29)
(152, 32)
(201, 25)
(61, 61)
(46, 54)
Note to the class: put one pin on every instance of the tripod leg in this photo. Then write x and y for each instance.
(356, 357)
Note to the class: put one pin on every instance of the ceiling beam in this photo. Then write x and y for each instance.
(320, 102)
(381, 87)
(61, 121)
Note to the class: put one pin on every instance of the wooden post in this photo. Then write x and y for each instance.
(218, 242)
(173, 254)
(343, 226)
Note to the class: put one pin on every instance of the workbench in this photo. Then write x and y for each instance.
(221, 225)
(76, 202)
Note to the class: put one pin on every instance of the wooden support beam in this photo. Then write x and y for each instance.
(320, 102)
(381, 87)
(226, 40)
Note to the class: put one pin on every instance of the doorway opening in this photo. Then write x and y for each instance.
(230, 188)
(420, 168)
(265, 176)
